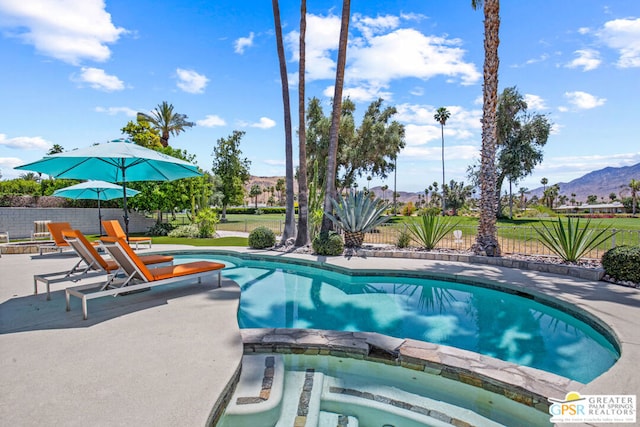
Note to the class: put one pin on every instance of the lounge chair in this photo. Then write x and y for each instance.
(55, 233)
(138, 276)
(91, 263)
(113, 229)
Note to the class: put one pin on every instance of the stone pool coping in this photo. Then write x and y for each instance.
(528, 386)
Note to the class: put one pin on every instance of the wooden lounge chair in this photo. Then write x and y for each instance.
(113, 229)
(138, 276)
(91, 263)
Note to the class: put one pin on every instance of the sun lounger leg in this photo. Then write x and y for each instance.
(67, 296)
(219, 279)
(84, 308)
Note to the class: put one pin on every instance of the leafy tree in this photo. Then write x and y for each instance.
(613, 197)
(592, 199)
(441, 116)
(254, 192)
(487, 240)
(143, 134)
(166, 122)
(456, 194)
(332, 158)
(289, 222)
(231, 169)
(369, 149)
(521, 136)
(302, 237)
(634, 185)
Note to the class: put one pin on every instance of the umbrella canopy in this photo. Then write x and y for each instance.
(115, 161)
(95, 190)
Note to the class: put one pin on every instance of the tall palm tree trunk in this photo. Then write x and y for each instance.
(332, 158)
(444, 203)
(289, 221)
(487, 241)
(302, 238)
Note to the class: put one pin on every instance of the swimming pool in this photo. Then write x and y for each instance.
(486, 321)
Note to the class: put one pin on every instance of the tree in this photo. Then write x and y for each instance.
(544, 182)
(613, 197)
(384, 189)
(280, 186)
(456, 194)
(231, 169)
(302, 237)
(255, 192)
(486, 240)
(332, 159)
(57, 148)
(592, 199)
(441, 116)
(166, 122)
(289, 221)
(143, 134)
(523, 200)
(30, 176)
(634, 185)
(369, 149)
(521, 136)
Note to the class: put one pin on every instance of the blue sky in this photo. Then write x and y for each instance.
(75, 72)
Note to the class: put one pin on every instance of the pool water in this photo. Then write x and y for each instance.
(486, 321)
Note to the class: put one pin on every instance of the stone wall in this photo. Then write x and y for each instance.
(19, 221)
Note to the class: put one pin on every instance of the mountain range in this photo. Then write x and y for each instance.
(600, 182)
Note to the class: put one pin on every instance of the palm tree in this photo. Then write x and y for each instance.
(441, 116)
(634, 185)
(544, 182)
(523, 191)
(165, 121)
(384, 189)
(289, 221)
(486, 240)
(302, 238)
(332, 158)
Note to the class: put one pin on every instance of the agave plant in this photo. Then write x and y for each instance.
(356, 215)
(570, 242)
(430, 229)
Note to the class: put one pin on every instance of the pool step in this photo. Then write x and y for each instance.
(302, 398)
(258, 396)
(382, 404)
(331, 419)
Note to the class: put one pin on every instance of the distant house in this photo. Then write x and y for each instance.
(612, 208)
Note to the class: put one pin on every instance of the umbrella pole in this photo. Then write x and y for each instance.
(124, 202)
(99, 216)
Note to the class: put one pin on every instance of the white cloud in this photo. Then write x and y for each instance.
(534, 102)
(25, 142)
(417, 91)
(210, 121)
(190, 81)
(7, 164)
(623, 35)
(321, 39)
(98, 79)
(583, 100)
(112, 111)
(369, 26)
(71, 30)
(242, 43)
(408, 53)
(457, 152)
(584, 30)
(272, 162)
(362, 93)
(563, 109)
(263, 123)
(588, 59)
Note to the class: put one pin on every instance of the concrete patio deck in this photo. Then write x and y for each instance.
(165, 356)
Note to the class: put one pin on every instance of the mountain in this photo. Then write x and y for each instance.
(601, 183)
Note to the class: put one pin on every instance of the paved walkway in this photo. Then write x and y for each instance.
(163, 357)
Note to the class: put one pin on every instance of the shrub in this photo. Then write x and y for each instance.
(356, 215)
(206, 219)
(430, 229)
(160, 229)
(328, 243)
(404, 238)
(189, 230)
(570, 242)
(622, 263)
(261, 238)
(408, 209)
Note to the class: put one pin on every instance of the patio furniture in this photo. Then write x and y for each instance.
(40, 230)
(138, 276)
(91, 263)
(113, 229)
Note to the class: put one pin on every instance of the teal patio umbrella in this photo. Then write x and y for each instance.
(115, 161)
(95, 190)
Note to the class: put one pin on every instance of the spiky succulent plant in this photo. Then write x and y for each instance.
(357, 214)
